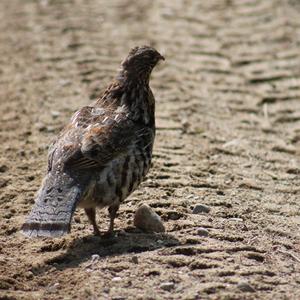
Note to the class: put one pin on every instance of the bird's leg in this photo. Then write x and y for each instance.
(91, 213)
(112, 215)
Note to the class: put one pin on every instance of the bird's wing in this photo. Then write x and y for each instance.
(96, 136)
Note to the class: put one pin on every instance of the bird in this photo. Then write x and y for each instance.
(102, 155)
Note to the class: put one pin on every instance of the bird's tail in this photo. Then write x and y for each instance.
(54, 207)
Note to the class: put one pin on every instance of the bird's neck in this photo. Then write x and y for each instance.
(134, 76)
(134, 94)
(137, 96)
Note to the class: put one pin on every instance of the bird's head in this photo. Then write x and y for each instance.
(140, 62)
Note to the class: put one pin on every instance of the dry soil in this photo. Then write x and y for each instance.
(228, 137)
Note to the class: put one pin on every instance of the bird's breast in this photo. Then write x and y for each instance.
(118, 179)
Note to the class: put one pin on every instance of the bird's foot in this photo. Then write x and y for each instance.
(97, 231)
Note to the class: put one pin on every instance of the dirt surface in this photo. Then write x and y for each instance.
(228, 119)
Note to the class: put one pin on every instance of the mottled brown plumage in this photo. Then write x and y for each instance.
(103, 154)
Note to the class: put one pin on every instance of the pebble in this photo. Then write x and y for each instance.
(43, 128)
(3, 168)
(167, 286)
(50, 129)
(135, 259)
(185, 126)
(116, 279)
(64, 82)
(148, 220)
(236, 219)
(22, 153)
(95, 257)
(202, 231)
(55, 114)
(40, 126)
(201, 208)
(174, 216)
(53, 287)
(245, 287)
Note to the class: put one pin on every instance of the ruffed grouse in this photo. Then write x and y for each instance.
(103, 154)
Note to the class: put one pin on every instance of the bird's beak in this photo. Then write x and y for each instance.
(161, 57)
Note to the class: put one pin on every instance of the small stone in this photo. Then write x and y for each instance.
(29, 275)
(202, 231)
(174, 215)
(64, 82)
(7, 215)
(245, 287)
(185, 124)
(148, 220)
(167, 286)
(50, 129)
(53, 287)
(3, 168)
(22, 153)
(55, 114)
(43, 128)
(201, 208)
(95, 257)
(135, 259)
(116, 279)
(30, 178)
(236, 219)
(40, 126)
(43, 147)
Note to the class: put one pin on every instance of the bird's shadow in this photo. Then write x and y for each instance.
(129, 240)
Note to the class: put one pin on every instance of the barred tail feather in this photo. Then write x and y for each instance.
(52, 212)
(35, 229)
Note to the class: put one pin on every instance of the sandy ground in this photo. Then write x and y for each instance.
(228, 118)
